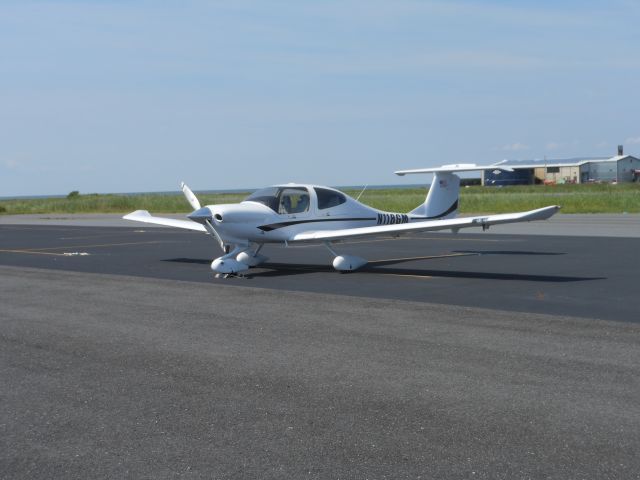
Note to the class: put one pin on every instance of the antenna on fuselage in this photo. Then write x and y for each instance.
(358, 197)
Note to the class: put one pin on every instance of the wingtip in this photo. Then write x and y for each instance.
(136, 214)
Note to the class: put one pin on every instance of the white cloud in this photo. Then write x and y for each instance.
(11, 164)
(382, 12)
(632, 140)
(514, 147)
(24, 164)
(553, 145)
(381, 62)
(601, 144)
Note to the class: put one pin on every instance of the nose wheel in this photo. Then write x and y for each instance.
(236, 261)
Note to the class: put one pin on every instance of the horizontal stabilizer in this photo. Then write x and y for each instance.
(457, 167)
(145, 217)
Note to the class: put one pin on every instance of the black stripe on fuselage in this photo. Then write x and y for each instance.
(449, 210)
(275, 226)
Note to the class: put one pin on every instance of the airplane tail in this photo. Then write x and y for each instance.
(443, 196)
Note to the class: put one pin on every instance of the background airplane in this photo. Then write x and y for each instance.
(299, 213)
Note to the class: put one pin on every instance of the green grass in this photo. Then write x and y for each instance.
(95, 203)
(589, 198)
(599, 198)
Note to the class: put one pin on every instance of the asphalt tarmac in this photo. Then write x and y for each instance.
(489, 357)
(593, 277)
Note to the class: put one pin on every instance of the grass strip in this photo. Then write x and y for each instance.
(588, 198)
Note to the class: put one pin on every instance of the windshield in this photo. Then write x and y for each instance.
(283, 200)
(266, 196)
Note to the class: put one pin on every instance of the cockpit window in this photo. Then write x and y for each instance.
(329, 198)
(283, 200)
(266, 196)
(294, 200)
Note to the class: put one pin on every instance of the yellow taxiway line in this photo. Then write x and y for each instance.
(32, 252)
(96, 245)
(430, 257)
(43, 251)
(409, 275)
(422, 277)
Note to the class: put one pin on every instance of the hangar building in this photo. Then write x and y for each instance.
(621, 168)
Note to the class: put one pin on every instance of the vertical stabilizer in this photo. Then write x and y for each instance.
(442, 199)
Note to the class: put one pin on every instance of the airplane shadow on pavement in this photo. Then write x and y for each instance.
(280, 269)
(272, 269)
(506, 252)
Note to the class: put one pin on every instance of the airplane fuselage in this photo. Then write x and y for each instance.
(262, 222)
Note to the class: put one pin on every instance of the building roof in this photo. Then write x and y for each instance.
(560, 162)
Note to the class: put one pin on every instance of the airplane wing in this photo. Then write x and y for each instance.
(426, 226)
(145, 217)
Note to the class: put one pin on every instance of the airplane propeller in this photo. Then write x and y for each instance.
(191, 198)
(200, 214)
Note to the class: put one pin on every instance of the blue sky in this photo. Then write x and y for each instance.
(120, 96)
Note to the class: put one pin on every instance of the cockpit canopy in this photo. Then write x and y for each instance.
(282, 199)
(287, 200)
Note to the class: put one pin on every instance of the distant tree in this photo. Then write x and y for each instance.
(74, 194)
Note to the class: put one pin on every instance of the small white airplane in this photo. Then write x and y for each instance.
(295, 214)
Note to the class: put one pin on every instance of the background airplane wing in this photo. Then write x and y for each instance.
(426, 226)
(145, 217)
